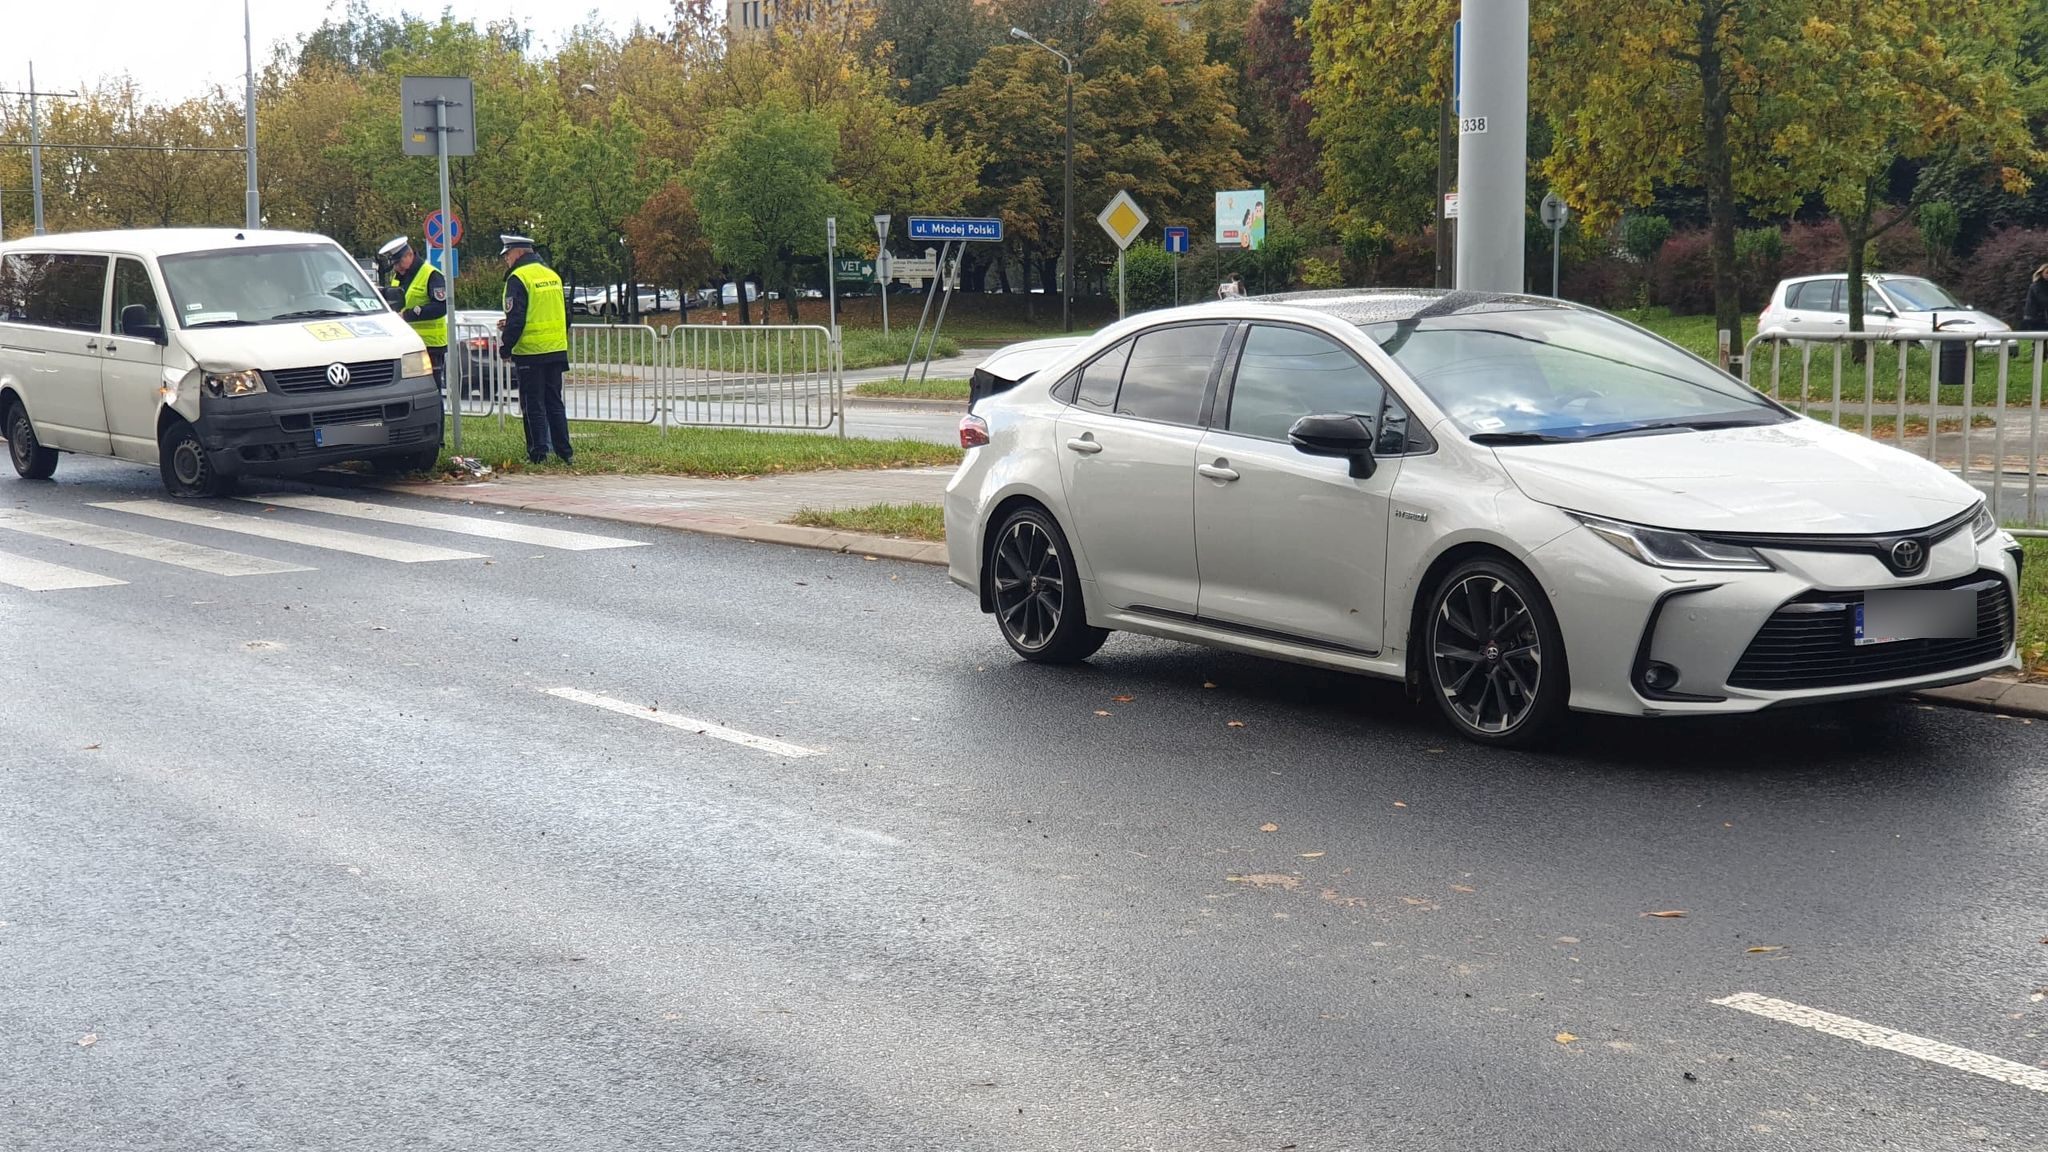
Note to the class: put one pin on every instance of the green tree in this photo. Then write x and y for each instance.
(932, 45)
(1275, 107)
(1381, 69)
(763, 187)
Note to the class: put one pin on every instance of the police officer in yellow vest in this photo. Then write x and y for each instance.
(420, 293)
(536, 339)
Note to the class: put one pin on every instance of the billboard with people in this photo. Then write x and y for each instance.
(1241, 219)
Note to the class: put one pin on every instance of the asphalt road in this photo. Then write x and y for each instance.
(314, 858)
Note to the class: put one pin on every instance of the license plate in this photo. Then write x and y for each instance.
(341, 434)
(1919, 614)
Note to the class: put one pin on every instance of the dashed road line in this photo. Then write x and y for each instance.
(1877, 1036)
(685, 723)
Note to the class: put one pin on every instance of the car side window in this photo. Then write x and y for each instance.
(1168, 376)
(1287, 373)
(1099, 380)
(1817, 296)
(62, 290)
(132, 286)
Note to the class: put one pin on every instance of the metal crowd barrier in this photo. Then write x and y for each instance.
(1968, 400)
(738, 376)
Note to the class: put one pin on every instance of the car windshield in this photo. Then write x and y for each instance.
(1912, 294)
(279, 284)
(1563, 374)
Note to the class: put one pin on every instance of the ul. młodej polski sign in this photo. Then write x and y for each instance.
(954, 228)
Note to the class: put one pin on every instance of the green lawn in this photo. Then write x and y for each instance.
(2034, 608)
(936, 388)
(868, 348)
(641, 448)
(741, 348)
(910, 521)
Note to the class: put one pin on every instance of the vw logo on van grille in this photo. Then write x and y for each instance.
(337, 375)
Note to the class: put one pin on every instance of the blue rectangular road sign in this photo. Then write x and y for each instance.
(450, 266)
(1177, 241)
(954, 228)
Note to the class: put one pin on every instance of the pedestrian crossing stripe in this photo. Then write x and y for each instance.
(212, 561)
(492, 529)
(331, 539)
(40, 576)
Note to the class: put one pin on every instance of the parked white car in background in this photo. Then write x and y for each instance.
(1518, 505)
(1892, 305)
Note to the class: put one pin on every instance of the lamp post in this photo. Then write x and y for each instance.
(1067, 240)
(252, 204)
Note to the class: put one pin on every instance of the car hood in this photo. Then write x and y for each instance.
(372, 336)
(1961, 319)
(1801, 476)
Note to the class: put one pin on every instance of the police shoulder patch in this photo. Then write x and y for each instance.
(440, 293)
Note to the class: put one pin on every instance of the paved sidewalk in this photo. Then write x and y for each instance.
(1995, 694)
(749, 508)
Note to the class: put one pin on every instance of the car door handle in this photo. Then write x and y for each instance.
(92, 346)
(1084, 446)
(1217, 472)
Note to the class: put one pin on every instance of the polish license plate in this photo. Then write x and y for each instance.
(1918, 614)
(344, 434)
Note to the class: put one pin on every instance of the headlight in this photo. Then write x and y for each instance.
(241, 383)
(1985, 525)
(417, 364)
(1664, 548)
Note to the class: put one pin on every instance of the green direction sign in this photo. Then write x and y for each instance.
(854, 269)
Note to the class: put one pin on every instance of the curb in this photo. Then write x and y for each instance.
(933, 404)
(1993, 694)
(792, 535)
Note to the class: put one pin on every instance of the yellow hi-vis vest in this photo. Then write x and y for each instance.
(547, 312)
(434, 332)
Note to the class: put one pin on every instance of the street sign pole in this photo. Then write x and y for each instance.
(1176, 280)
(882, 265)
(447, 216)
(1119, 283)
(1554, 212)
(832, 274)
(453, 101)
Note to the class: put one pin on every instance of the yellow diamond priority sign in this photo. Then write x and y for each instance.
(1123, 219)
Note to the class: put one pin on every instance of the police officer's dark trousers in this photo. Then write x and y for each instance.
(542, 411)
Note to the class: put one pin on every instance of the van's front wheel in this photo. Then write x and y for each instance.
(188, 471)
(31, 459)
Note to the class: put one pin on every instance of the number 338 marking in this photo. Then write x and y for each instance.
(1468, 125)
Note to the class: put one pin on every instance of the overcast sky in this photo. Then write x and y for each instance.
(176, 48)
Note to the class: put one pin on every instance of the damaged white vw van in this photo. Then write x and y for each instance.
(210, 352)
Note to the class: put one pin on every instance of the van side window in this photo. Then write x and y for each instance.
(13, 275)
(132, 286)
(61, 290)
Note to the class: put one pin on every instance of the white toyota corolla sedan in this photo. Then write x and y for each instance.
(1517, 505)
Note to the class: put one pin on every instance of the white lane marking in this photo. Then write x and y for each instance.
(443, 522)
(37, 576)
(1876, 1036)
(196, 556)
(729, 735)
(328, 538)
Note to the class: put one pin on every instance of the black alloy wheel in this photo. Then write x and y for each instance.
(1496, 660)
(1037, 593)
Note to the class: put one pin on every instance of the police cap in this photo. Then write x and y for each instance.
(510, 243)
(393, 247)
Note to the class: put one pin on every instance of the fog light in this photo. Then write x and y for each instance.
(1660, 676)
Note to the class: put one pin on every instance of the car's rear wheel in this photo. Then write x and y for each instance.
(1037, 591)
(31, 460)
(1495, 657)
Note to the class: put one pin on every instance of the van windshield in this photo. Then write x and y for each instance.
(268, 285)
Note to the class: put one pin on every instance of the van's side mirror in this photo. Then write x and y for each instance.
(135, 322)
(1346, 437)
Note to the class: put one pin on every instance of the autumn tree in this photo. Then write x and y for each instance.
(763, 187)
(1275, 106)
(1381, 70)
(668, 240)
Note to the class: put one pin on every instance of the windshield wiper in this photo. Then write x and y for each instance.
(236, 322)
(312, 313)
(1493, 438)
(1687, 424)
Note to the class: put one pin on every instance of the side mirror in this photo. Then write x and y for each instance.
(1887, 313)
(1347, 437)
(135, 322)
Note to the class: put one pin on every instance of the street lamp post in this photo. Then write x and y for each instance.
(1067, 214)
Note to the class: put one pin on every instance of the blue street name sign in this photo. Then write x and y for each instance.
(1177, 241)
(954, 228)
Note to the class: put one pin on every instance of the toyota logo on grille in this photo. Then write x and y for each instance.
(337, 375)
(1908, 556)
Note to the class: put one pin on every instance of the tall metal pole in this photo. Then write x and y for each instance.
(1067, 293)
(1493, 145)
(252, 208)
(35, 148)
(447, 233)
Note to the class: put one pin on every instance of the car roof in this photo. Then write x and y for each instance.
(1364, 306)
(159, 241)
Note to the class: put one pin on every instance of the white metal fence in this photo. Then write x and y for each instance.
(743, 376)
(1967, 400)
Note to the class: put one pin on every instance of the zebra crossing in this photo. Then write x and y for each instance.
(247, 518)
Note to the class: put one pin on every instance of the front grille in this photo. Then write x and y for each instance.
(1807, 648)
(366, 374)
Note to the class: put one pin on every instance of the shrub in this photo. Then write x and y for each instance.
(1148, 277)
(1604, 281)
(1995, 277)
(1683, 278)
(1319, 273)
(1759, 264)
(1643, 237)
(1364, 246)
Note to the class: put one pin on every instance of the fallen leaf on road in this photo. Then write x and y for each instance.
(1399, 804)
(803, 584)
(1434, 751)
(1236, 724)
(1208, 684)
(1268, 880)
(92, 747)
(1564, 1037)
(1311, 855)
(869, 557)
(1567, 939)
(1121, 699)
(1269, 827)
(1100, 712)
(1766, 948)
(1671, 915)
(88, 1040)
(1463, 888)
(1412, 902)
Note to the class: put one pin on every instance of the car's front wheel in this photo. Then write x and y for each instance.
(1495, 658)
(188, 470)
(1037, 591)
